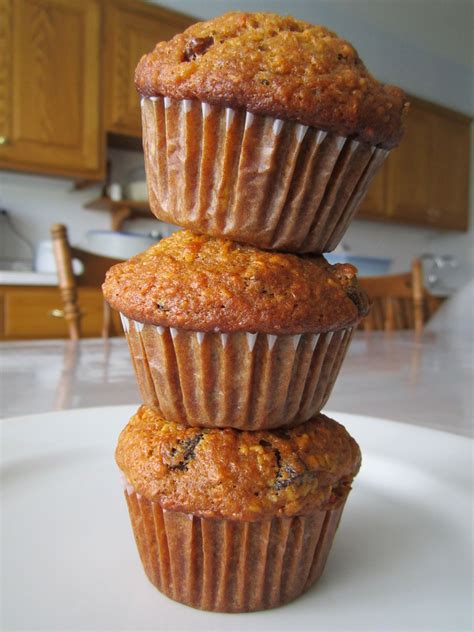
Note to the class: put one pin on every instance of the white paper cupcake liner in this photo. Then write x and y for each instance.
(230, 565)
(255, 179)
(239, 380)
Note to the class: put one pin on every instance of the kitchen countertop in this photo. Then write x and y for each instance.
(426, 381)
(14, 277)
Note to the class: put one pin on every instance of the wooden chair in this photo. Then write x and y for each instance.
(398, 300)
(92, 276)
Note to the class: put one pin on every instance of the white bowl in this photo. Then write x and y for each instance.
(118, 245)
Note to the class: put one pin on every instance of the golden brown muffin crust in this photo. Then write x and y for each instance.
(238, 475)
(204, 283)
(277, 66)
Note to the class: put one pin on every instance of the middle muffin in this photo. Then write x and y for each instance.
(226, 335)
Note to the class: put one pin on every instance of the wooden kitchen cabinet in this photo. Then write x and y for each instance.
(28, 312)
(66, 81)
(449, 190)
(131, 29)
(425, 181)
(50, 87)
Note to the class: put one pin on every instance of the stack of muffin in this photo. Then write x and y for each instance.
(264, 130)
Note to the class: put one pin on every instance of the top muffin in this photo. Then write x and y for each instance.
(277, 66)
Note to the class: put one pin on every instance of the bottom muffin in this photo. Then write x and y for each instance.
(234, 521)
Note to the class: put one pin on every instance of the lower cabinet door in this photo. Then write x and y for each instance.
(37, 312)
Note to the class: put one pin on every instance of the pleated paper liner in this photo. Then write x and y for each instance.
(230, 565)
(235, 380)
(254, 179)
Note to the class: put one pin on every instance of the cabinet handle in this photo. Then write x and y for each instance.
(3, 140)
(56, 313)
(59, 313)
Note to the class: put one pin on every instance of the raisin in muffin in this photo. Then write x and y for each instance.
(263, 129)
(226, 335)
(234, 521)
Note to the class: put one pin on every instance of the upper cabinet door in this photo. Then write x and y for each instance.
(131, 30)
(49, 87)
(429, 174)
(449, 189)
(425, 181)
(409, 170)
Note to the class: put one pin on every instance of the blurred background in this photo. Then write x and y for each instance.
(70, 139)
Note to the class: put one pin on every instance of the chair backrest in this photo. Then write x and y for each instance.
(397, 300)
(92, 275)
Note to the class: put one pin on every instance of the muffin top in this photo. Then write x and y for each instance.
(238, 475)
(277, 66)
(204, 283)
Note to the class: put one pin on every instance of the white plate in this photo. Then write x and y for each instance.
(401, 559)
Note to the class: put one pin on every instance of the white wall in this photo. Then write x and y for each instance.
(423, 45)
(35, 202)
